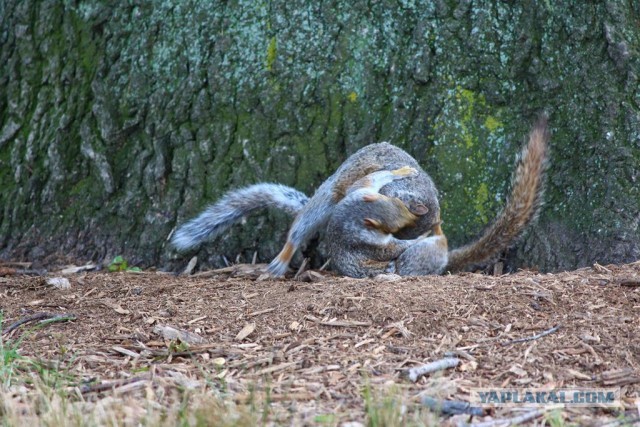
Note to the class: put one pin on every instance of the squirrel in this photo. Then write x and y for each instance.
(360, 230)
(360, 233)
(417, 193)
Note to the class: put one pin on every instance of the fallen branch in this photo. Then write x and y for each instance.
(45, 319)
(451, 407)
(533, 337)
(505, 422)
(414, 373)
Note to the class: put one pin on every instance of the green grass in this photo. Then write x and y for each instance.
(391, 409)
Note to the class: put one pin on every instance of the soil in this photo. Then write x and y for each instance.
(317, 345)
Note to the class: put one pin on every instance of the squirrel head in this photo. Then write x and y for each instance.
(393, 214)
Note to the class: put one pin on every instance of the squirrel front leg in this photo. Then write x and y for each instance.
(312, 217)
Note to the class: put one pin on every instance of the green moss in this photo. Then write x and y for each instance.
(492, 123)
(480, 202)
(468, 132)
(272, 53)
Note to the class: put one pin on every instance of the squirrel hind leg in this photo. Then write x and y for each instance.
(280, 264)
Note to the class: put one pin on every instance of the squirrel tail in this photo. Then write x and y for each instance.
(233, 206)
(521, 208)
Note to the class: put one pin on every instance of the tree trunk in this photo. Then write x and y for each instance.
(119, 121)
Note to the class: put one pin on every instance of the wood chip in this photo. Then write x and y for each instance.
(77, 269)
(310, 276)
(171, 333)
(258, 313)
(382, 278)
(579, 375)
(125, 351)
(619, 377)
(115, 307)
(245, 331)
(59, 282)
(197, 319)
(190, 266)
(338, 323)
(276, 368)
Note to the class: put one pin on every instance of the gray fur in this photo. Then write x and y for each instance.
(234, 205)
(428, 256)
(413, 191)
(358, 250)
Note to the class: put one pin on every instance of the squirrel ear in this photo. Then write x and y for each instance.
(370, 197)
(372, 223)
(419, 210)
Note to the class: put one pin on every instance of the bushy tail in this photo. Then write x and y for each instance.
(233, 206)
(521, 208)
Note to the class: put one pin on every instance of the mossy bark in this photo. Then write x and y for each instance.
(118, 121)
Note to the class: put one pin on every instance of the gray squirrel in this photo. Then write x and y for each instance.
(417, 192)
(360, 232)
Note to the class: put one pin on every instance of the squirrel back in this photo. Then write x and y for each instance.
(521, 207)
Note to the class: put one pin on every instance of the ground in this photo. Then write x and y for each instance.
(329, 351)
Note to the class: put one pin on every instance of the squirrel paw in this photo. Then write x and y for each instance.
(405, 171)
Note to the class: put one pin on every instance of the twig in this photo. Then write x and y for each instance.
(96, 388)
(505, 422)
(58, 318)
(45, 317)
(303, 266)
(325, 265)
(451, 407)
(533, 337)
(338, 323)
(258, 313)
(414, 373)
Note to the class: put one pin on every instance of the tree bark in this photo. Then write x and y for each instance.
(119, 121)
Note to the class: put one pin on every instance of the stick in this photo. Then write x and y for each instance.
(533, 337)
(451, 407)
(511, 421)
(414, 373)
(58, 318)
(303, 266)
(45, 317)
(338, 323)
(325, 265)
(96, 388)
